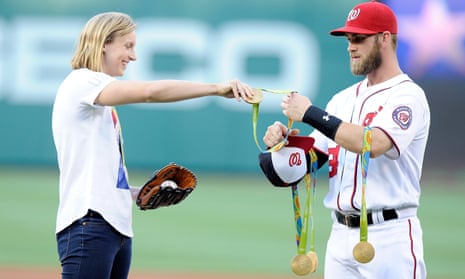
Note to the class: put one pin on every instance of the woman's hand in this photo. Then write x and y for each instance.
(235, 89)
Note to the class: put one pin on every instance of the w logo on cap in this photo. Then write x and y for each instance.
(294, 159)
(353, 14)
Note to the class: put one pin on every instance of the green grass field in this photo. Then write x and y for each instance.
(230, 224)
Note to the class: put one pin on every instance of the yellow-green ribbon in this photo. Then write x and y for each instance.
(366, 151)
(303, 226)
(255, 111)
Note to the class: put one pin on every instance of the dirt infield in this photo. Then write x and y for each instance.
(49, 273)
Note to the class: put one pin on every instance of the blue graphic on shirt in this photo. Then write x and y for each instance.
(122, 179)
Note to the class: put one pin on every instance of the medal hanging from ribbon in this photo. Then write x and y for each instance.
(303, 263)
(364, 252)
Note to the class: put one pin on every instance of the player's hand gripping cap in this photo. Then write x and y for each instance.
(288, 165)
(153, 195)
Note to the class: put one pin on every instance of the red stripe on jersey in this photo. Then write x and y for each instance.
(381, 90)
(358, 88)
(354, 189)
(411, 249)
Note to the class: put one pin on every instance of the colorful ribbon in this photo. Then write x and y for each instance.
(303, 225)
(366, 151)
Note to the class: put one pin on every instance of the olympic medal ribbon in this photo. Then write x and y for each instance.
(297, 215)
(363, 251)
(255, 112)
(366, 151)
(304, 263)
(308, 218)
(313, 177)
(302, 248)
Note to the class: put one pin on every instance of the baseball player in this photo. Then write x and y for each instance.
(94, 221)
(396, 109)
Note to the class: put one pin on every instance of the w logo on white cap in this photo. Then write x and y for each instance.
(353, 14)
(294, 159)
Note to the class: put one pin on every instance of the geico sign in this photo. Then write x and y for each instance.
(36, 56)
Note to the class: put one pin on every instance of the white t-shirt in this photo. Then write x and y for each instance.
(87, 139)
(398, 107)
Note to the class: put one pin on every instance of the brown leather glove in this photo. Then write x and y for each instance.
(155, 193)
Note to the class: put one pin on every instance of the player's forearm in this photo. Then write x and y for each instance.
(350, 137)
(347, 135)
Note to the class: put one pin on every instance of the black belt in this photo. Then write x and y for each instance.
(353, 221)
(93, 214)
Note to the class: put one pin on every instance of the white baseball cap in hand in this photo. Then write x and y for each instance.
(288, 165)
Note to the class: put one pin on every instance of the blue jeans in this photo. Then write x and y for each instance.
(92, 248)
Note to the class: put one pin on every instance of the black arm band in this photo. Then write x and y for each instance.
(322, 121)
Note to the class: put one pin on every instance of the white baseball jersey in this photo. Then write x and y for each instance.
(88, 143)
(398, 107)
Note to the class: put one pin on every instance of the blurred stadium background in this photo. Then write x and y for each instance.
(279, 44)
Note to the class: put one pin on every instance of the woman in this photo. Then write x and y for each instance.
(94, 220)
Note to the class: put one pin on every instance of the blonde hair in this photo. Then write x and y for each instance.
(98, 31)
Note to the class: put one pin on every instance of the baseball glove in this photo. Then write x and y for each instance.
(155, 193)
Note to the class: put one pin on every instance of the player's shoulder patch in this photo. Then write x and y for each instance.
(402, 116)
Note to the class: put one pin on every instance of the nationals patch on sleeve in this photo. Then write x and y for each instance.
(402, 116)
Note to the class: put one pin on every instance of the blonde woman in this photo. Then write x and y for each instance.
(94, 220)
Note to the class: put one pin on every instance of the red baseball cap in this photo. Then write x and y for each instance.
(368, 18)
